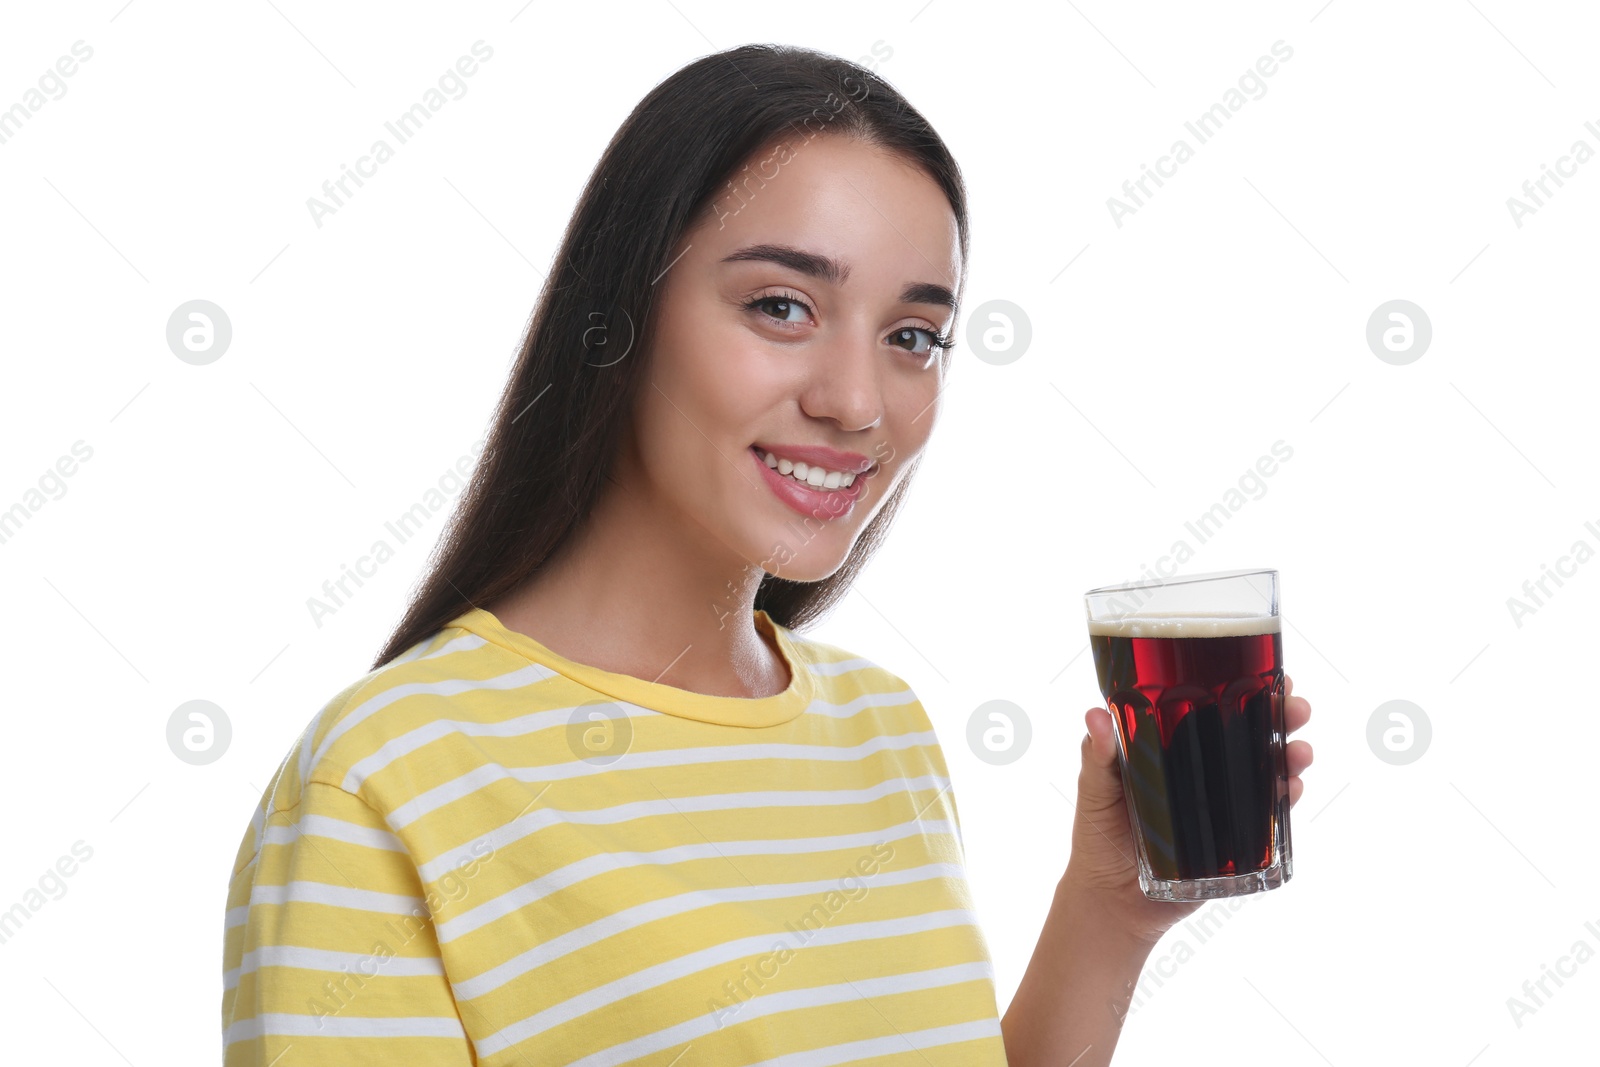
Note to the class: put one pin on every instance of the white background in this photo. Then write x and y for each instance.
(1167, 355)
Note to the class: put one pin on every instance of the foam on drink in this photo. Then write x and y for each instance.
(1186, 624)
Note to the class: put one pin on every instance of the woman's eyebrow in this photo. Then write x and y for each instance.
(835, 272)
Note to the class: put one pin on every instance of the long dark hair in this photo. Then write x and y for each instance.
(681, 151)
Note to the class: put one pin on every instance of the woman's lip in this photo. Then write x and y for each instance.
(812, 503)
(829, 459)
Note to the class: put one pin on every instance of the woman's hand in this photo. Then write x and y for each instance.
(1102, 870)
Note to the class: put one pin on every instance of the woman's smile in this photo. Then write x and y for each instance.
(814, 491)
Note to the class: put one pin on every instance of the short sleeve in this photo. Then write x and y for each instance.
(330, 953)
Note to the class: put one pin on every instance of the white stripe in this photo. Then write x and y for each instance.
(338, 896)
(236, 917)
(460, 643)
(651, 910)
(414, 652)
(258, 818)
(367, 965)
(522, 676)
(559, 717)
(788, 1000)
(279, 1024)
(855, 1051)
(844, 666)
(306, 747)
(414, 739)
(602, 862)
(464, 643)
(440, 795)
(525, 825)
(858, 704)
(662, 973)
(334, 829)
(453, 790)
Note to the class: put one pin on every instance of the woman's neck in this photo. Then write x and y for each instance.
(636, 595)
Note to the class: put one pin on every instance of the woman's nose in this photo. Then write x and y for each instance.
(844, 386)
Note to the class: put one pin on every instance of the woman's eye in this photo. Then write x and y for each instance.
(783, 304)
(779, 308)
(908, 333)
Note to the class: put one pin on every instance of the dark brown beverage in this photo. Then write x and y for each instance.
(1199, 708)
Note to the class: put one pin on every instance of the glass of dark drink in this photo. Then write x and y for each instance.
(1192, 672)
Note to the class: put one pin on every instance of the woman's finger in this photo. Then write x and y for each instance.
(1296, 713)
(1296, 787)
(1299, 757)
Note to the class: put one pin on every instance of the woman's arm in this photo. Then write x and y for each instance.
(1069, 1007)
(1068, 1010)
(330, 951)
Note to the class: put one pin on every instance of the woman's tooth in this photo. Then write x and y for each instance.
(813, 476)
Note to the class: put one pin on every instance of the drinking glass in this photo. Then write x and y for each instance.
(1192, 672)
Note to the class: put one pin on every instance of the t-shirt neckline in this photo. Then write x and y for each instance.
(722, 710)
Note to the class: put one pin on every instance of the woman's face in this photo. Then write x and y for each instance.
(799, 317)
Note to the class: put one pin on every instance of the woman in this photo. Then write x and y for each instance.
(598, 802)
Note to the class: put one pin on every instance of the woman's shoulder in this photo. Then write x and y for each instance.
(451, 677)
(451, 683)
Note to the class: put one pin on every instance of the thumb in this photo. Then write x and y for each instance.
(1100, 781)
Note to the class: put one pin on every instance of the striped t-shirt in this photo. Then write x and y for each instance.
(486, 853)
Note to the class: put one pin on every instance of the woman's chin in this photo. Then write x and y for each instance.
(809, 564)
